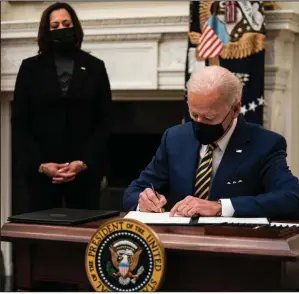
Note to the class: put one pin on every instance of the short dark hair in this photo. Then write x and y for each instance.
(44, 26)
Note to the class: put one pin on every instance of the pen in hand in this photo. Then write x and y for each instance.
(158, 196)
(259, 226)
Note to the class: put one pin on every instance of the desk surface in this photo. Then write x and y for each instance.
(173, 237)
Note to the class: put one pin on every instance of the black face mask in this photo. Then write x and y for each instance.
(208, 134)
(63, 40)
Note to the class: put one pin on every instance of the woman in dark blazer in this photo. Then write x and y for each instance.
(60, 119)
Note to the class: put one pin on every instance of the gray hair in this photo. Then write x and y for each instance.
(218, 78)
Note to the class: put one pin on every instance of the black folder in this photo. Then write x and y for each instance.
(62, 216)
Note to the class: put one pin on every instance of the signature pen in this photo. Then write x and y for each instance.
(158, 196)
(259, 226)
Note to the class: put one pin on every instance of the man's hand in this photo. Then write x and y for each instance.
(149, 202)
(192, 206)
(68, 173)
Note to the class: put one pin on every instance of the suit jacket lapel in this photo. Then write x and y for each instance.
(234, 154)
(190, 160)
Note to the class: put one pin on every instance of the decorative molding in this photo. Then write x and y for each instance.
(146, 25)
(276, 78)
(173, 36)
(171, 79)
(92, 38)
(282, 20)
(172, 55)
(123, 37)
(142, 21)
(104, 23)
(276, 20)
(7, 83)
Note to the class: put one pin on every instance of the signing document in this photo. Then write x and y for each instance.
(157, 218)
(164, 218)
(234, 220)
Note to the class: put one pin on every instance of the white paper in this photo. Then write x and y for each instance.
(286, 225)
(233, 220)
(157, 218)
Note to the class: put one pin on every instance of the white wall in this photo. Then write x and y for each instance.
(32, 10)
(289, 5)
(107, 9)
(97, 10)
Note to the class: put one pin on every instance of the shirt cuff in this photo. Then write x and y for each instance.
(137, 209)
(227, 207)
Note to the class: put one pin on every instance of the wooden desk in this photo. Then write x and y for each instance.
(195, 262)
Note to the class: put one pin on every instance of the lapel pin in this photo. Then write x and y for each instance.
(83, 68)
(239, 151)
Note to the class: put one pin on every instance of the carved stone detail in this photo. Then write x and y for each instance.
(102, 23)
(172, 55)
(122, 37)
(173, 36)
(136, 21)
(282, 20)
(276, 78)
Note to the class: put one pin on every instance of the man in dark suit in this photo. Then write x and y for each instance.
(218, 164)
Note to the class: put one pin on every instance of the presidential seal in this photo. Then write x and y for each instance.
(125, 256)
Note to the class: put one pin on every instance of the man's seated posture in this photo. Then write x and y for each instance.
(218, 164)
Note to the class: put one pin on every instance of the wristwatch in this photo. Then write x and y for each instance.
(220, 211)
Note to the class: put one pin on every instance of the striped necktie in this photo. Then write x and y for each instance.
(204, 173)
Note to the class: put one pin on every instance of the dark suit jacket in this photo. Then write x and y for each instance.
(47, 127)
(268, 188)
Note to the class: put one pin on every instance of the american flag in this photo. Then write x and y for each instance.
(219, 41)
(213, 38)
(210, 44)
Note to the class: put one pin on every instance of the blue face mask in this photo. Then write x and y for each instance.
(208, 134)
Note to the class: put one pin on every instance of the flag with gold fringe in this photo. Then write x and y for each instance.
(230, 34)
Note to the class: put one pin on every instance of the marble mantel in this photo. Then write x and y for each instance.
(140, 53)
(145, 53)
(145, 59)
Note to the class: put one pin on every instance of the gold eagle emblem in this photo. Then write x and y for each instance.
(246, 34)
(125, 262)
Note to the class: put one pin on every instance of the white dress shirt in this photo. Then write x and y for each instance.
(227, 207)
